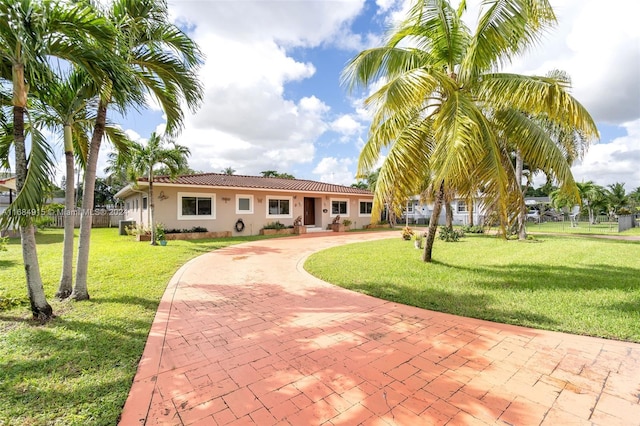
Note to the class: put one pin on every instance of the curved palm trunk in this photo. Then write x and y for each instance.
(433, 225)
(40, 308)
(152, 222)
(470, 210)
(66, 279)
(80, 291)
(522, 212)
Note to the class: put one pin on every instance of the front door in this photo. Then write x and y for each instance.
(309, 211)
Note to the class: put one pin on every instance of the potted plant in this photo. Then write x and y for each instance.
(418, 239)
(347, 224)
(160, 234)
(407, 233)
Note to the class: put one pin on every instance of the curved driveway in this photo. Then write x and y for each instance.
(243, 335)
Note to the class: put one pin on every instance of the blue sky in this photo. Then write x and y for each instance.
(273, 99)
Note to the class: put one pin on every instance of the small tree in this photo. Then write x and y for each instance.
(144, 158)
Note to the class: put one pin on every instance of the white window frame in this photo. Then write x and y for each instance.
(364, 214)
(214, 205)
(279, 216)
(145, 203)
(243, 196)
(462, 204)
(345, 200)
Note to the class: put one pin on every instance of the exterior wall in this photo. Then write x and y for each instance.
(168, 208)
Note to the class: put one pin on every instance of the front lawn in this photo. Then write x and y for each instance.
(78, 368)
(578, 285)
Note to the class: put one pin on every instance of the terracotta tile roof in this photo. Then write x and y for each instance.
(219, 180)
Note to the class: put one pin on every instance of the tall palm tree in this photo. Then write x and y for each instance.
(571, 142)
(163, 61)
(68, 105)
(143, 159)
(31, 32)
(444, 111)
(228, 171)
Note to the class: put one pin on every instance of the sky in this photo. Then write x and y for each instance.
(273, 98)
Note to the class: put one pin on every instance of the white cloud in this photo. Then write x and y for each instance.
(600, 49)
(617, 161)
(335, 170)
(346, 126)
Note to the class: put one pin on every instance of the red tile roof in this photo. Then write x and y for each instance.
(218, 180)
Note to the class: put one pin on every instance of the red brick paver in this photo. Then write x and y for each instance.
(244, 336)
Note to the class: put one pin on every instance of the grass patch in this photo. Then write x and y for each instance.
(78, 368)
(577, 285)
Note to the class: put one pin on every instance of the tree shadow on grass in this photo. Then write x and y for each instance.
(472, 305)
(7, 263)
(149, 304)
(87, 380)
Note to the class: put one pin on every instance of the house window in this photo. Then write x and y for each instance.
(127, 206)
(340, 207)
(144, 203)
(279, 207)
(365, 208)
(244, 204)
(196, 206)
(462, 207)
(410, 208)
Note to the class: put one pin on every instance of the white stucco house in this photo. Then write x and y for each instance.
(218, 201)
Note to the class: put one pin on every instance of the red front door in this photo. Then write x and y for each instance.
(309, 211)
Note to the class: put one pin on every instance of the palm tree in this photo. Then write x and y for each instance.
(30, 33)
(445, 113)
(571, 142)
(617, 197)
(143, 159)
(228, 171)
(592, 196)
(66, 105)
(163, 61)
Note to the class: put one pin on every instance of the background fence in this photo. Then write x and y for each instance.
(99, 219)
(601, 225)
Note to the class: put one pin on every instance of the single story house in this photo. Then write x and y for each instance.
(219, 201)
(416, 212)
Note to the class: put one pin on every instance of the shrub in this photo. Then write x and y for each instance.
(3, 243)
(346, 222)
(449, 234)
(274, 225)
(407, 233)
(43, 222)
(477, 229)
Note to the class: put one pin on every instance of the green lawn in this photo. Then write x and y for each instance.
(77, 369)
(578, 285)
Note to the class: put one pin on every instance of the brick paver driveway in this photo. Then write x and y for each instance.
(244, 336)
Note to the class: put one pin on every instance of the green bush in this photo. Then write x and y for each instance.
(468, 229)
(43, 222)
(274, 225)
(449, 234)
(3, 243)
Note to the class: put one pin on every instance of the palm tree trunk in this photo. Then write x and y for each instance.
(40, 308)
(522, 213)
(448, 211)
(66, 279)
(470, 210)
(150, 202)
(80, 291)
(433, 225)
